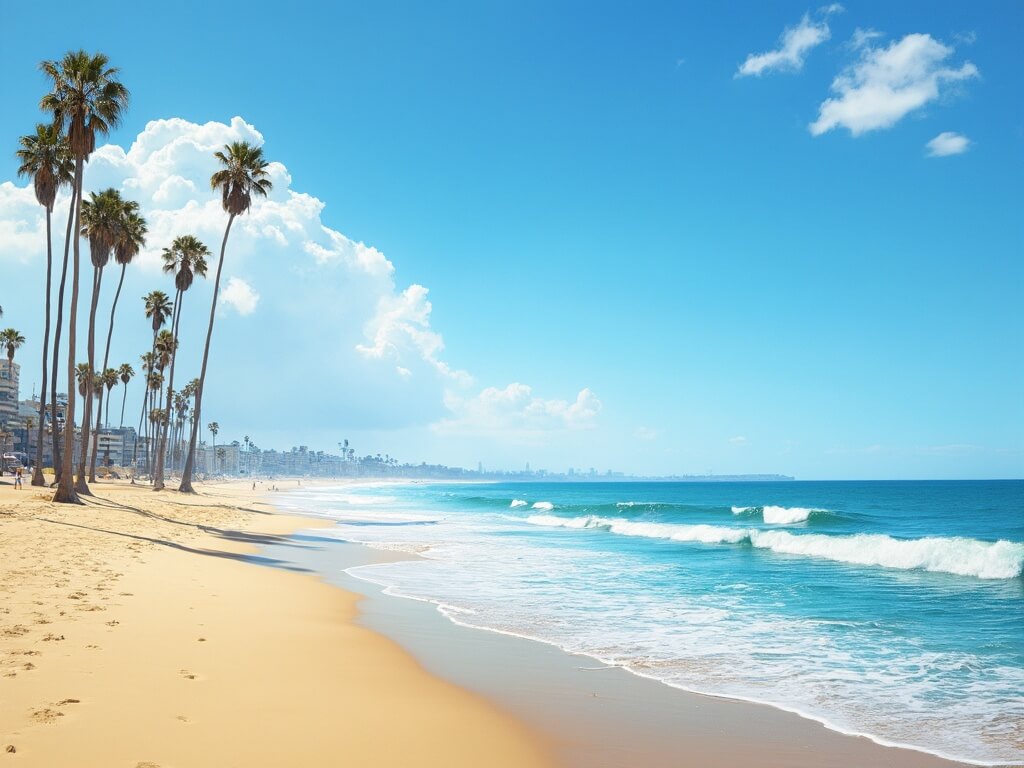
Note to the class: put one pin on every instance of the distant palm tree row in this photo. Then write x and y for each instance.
(86, 100)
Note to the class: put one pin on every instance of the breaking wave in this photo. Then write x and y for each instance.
(954, 555)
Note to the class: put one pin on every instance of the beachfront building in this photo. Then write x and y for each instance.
(222, 460)
(9, 392)
(114, 447)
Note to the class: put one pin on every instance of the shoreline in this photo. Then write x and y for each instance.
(810, 742)
(135, 631)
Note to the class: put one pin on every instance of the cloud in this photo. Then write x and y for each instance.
(794, 45)
(738, 440)
(861, 37)
(330, 306)
(516, 411)
(240, 295)
(948, 143)
(402, 324)
(886, 84)
(646, 434)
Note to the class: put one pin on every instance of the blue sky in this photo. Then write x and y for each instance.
(638, 253)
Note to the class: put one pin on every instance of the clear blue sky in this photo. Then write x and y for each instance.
(597, 197)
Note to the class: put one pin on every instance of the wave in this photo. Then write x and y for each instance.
(773, 515)
(954, 555)
(546, 506)
(518, 503)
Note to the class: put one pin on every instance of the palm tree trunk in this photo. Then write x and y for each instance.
(80, 484)
(186, 473)
(106, 360)
(37, 473)
(161, 451)
(124, 399)
(55, 433)
(66, 488)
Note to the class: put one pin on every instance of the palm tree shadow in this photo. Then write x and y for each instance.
(255, 559)
(262, 539)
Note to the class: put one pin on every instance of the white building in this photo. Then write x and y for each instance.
(9, 373)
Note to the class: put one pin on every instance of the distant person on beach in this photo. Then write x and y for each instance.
(17, 478)
(254, 485)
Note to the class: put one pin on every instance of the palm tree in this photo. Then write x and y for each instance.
(147, 359)
(110, 378)
(129, 237)
(86, 99)
(46, 158)
(102, 214)
(186, 258)
(243, 175)
(166, 347)
(158, 309)
(214, 428)
(125, 374)
(12, 340)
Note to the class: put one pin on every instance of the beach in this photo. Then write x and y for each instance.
(140, 629)
(147, 629)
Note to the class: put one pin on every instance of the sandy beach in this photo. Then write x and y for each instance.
(139, 630)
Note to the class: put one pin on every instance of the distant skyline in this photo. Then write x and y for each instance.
(773, 238)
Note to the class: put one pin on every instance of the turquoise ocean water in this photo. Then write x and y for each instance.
(889, 609)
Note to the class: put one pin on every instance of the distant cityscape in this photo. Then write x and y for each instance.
(122, 450)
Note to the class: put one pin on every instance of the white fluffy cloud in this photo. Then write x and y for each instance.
(402, 324)
(331, 312)
(794, 45)
(516, 411)
(948, 143)
(239, 295)
(888, 83)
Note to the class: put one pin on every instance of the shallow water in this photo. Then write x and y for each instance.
(889, 609)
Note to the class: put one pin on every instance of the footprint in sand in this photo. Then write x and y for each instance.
(187, 675)
(146, 765)
(65, 702)
(45, 715)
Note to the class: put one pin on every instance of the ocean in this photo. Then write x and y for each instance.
(893, 610)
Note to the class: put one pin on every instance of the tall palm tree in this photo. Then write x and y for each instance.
(86, 99)
(185, 258)
(100, 222)
(158, 309)
(243, 175)
(148, 364)
(166, 347)
(46, 158)
(214, 428)
(125, 373)
(110, 378)
(12, 341)
(129, 238)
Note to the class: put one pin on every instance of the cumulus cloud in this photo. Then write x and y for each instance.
(330, 307)
(516, 411)
(886, 84)
(738, 440)
(239, 295)
(794, 45)
(948, 143)
(645, 433)
(401, 324)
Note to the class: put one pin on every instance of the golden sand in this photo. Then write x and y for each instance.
(135, 632)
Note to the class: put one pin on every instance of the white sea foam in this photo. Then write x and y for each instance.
(518, 503)
(778, 515)
(785, 515)
(545, 506)
(954, 555)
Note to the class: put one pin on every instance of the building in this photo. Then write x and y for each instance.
(114, 447)
(222, 460)
(9, 373)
